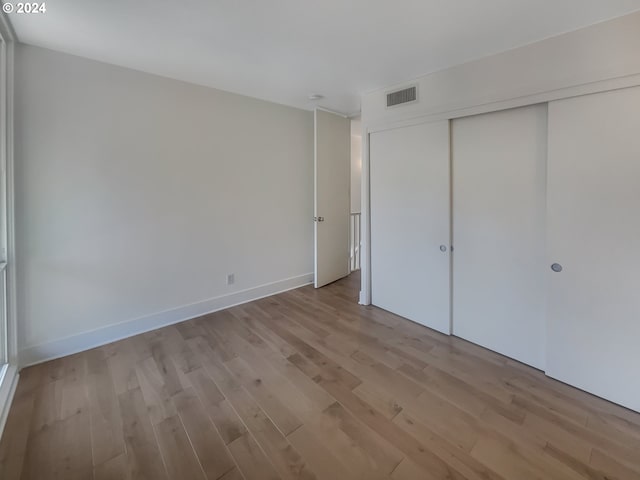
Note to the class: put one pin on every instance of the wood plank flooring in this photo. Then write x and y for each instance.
(308, 385)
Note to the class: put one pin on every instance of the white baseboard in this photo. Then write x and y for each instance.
(111, 333)
(8, 384)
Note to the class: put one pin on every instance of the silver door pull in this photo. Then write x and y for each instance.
(443, 248)
(318, 219)
(556, 267)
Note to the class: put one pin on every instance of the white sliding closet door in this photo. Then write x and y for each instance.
(410, 223)
(499, 178)
(594, 235)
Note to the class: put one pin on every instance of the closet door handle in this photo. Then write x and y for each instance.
(443, 248)
(556, 267)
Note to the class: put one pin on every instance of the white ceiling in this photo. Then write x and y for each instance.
(284, 50)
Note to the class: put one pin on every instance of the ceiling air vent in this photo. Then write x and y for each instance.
(402, 96)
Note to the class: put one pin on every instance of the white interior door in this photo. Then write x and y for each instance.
(332, 199)
(410, 223)
(594, 235)
(499, 200)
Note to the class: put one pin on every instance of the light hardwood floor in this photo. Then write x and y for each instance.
(308, 384)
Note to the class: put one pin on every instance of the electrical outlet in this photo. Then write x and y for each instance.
(231, 278)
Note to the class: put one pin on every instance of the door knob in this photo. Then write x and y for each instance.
(443, 248)
(318, 219)
(556, 267)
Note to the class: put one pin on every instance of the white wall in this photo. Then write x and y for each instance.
(599, 52)
(356, 163)
(136, 195)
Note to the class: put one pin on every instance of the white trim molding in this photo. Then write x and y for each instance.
(102, 336)
(365, 220)
(459, 111)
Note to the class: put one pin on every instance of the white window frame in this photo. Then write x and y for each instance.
(8, 372)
